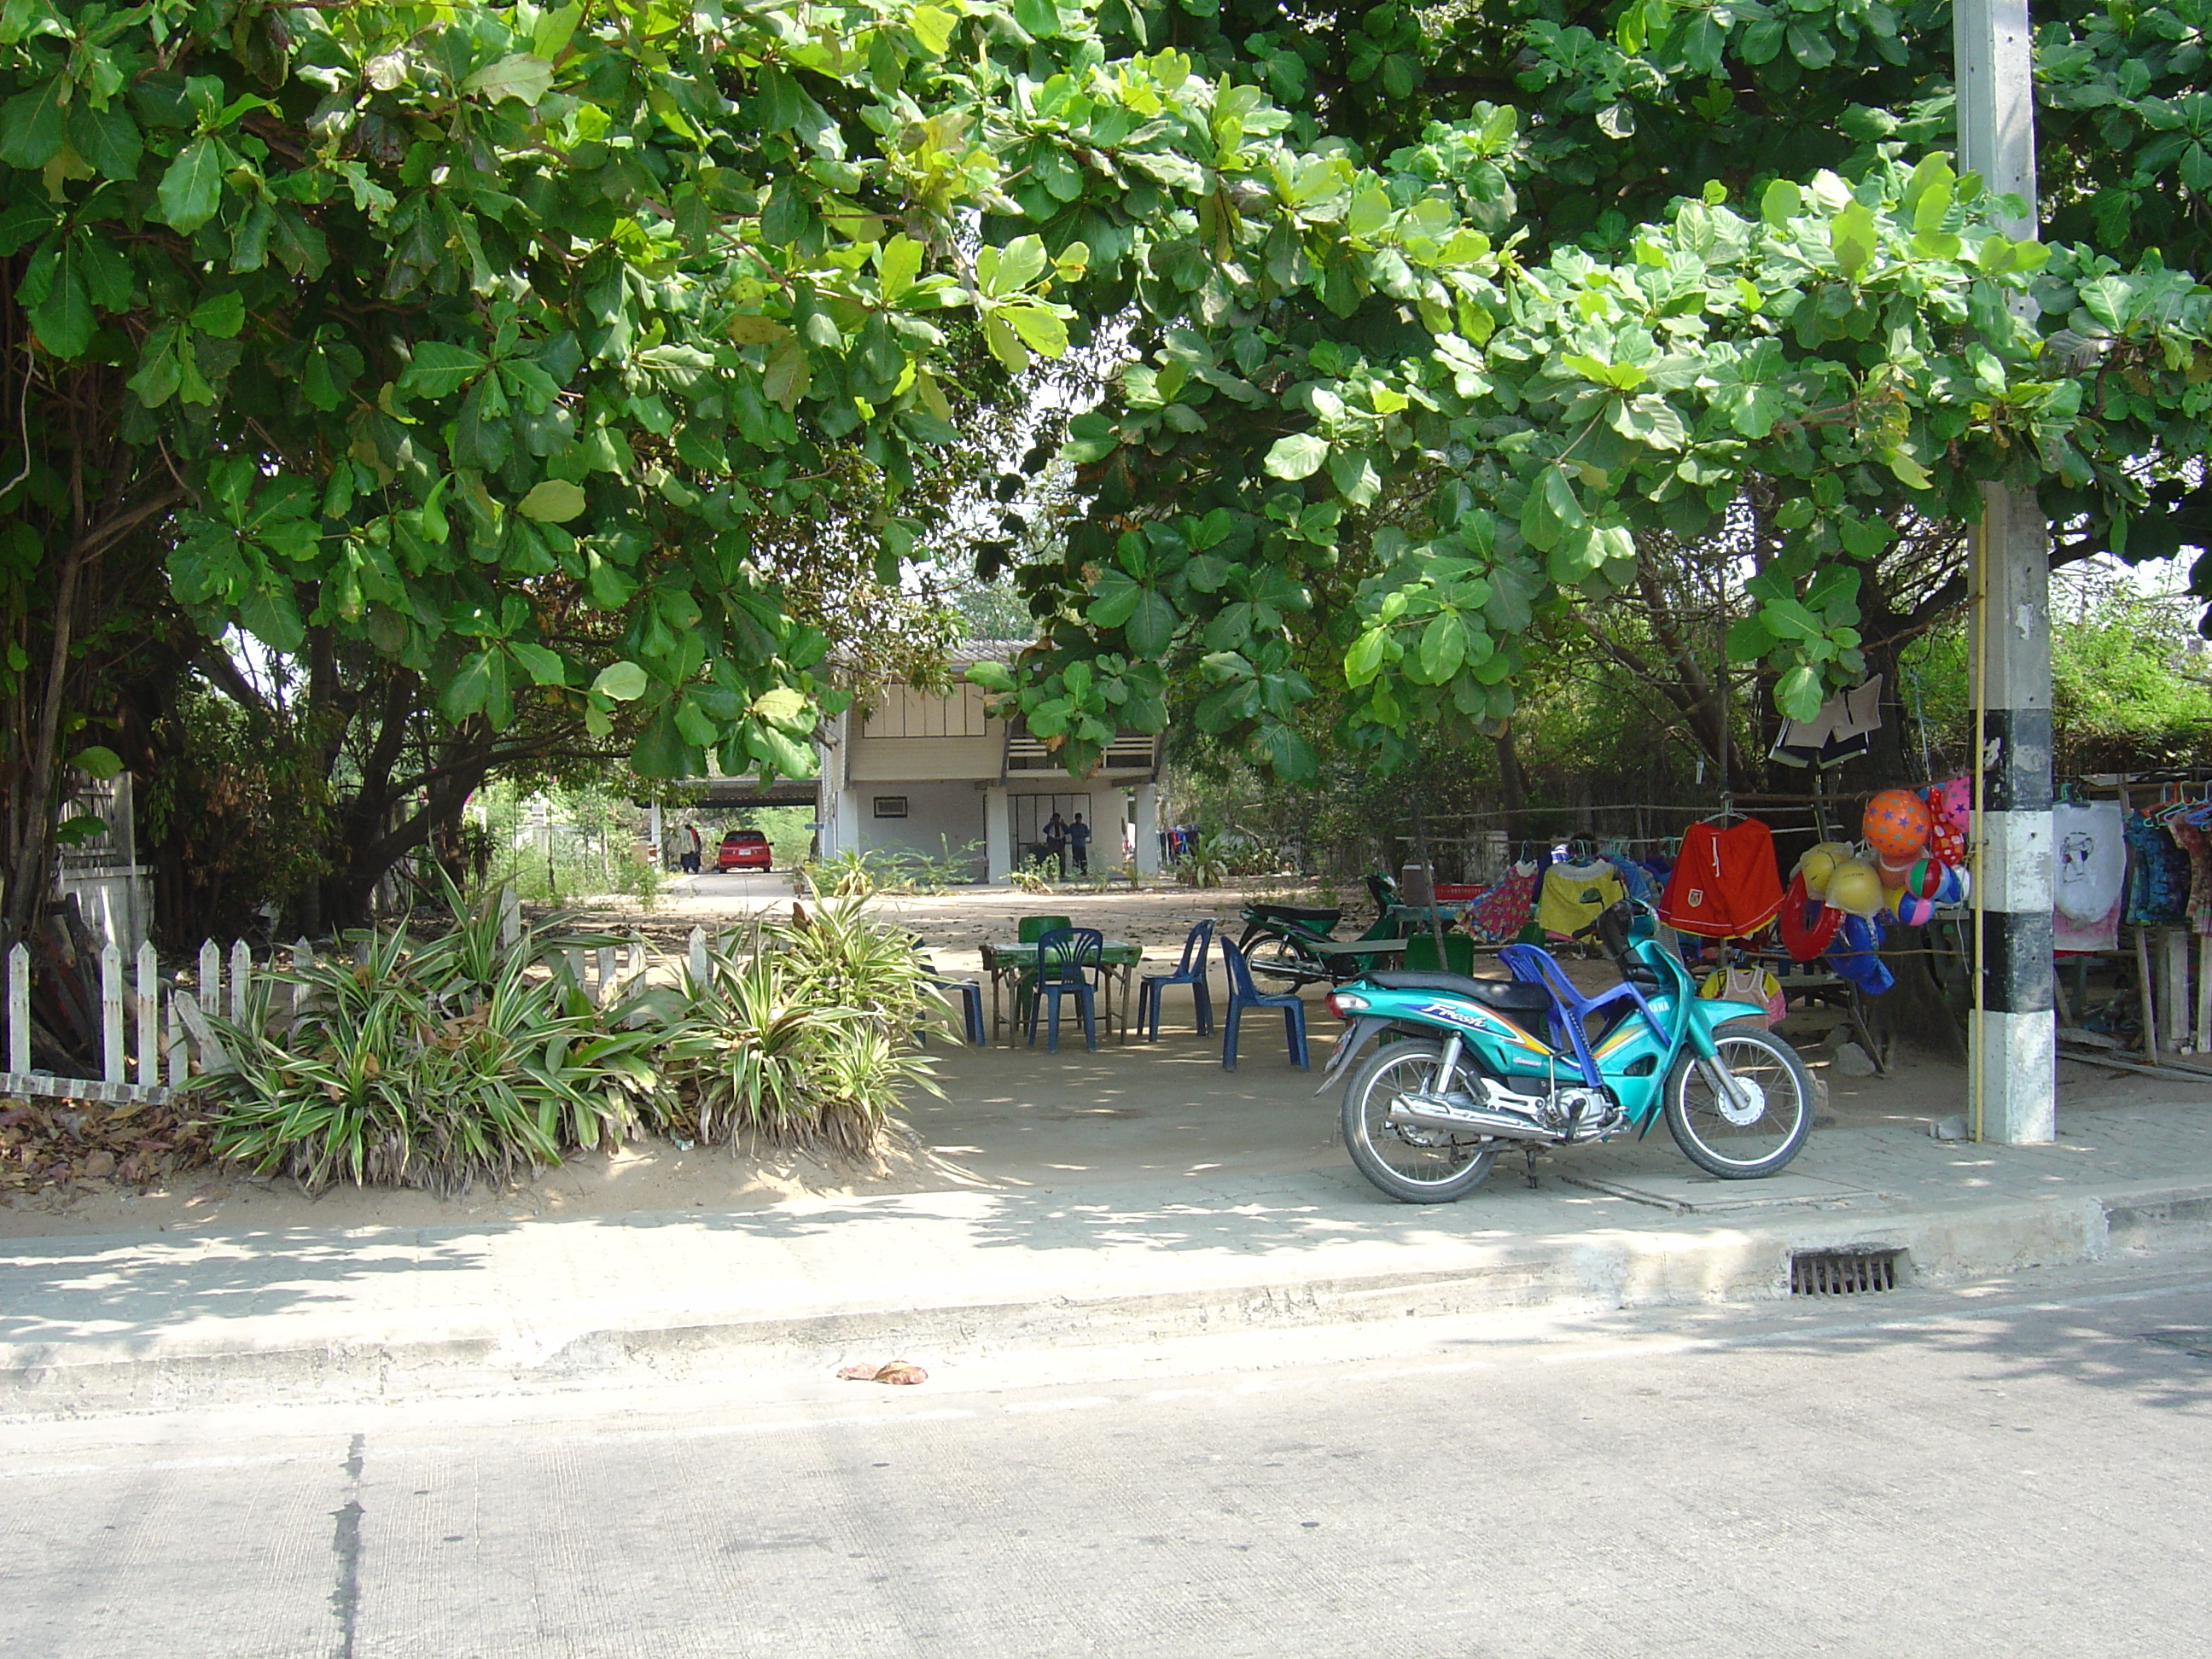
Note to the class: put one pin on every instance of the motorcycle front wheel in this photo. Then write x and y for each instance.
(1414, 1165)
(1760, 1130)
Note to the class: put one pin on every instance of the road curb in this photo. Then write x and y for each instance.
(1592, 1270)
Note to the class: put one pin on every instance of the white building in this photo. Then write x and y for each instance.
(923, 771)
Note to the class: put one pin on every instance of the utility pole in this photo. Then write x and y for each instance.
(2012, 1048)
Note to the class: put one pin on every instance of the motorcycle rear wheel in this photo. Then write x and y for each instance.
(1705, 1131)
(1414, 1166)
(1277, 957)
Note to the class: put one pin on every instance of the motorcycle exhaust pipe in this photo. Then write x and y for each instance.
(1427, 1112)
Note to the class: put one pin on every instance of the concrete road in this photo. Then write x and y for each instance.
(2012, 1468)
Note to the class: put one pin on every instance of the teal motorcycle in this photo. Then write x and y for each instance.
(1472, 1067)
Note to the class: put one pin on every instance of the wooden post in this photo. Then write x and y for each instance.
(150, 1016)
(210, 980)
(19, 1009)
(2173, 991)
(2204, 993)
(2146, 996)
(241, 970)
(180, 1057)
(605, 993)
(303, 957)
(111, 1014)
(213, 1057)
(700, 976)
(510, 919)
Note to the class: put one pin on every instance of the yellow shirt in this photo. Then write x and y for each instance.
(1574, 894)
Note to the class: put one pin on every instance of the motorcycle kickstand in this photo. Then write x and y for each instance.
(1529, 1150)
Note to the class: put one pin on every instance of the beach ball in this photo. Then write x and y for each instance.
(1819, 863)
(1911, 909)
(1893, 874)
(1854, 889)
(1925, 878)
(1952, 802)
(1896, 824)
(1955, 886)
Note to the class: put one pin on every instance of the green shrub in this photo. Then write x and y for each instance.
(428, 1066)
(800, 1031)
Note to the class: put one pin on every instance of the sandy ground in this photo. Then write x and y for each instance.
(1009, 1117)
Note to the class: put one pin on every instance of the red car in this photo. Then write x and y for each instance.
(743, 849)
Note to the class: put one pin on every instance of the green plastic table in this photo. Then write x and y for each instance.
(1005, 959)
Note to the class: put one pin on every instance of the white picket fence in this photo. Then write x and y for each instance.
(154, 1033)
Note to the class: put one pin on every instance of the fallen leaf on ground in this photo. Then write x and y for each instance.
(896, 1371)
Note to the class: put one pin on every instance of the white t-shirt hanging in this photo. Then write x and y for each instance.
(2092, 859)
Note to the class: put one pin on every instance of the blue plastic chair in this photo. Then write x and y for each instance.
(1191, 972)
(1244, 994)
(1067, 960)
(971, 1005)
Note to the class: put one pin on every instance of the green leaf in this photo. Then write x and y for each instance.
(1299, 455)
(1041, 330)
(1782, 202)
(1365, 660)
(899, 262)
(991, 676)
(787, 708)
(932, 28)
(554, 501)
(192, 189)
(97, 760)
(1798, 694)
(1443, 647)
(31, 125)
(524, 76)
(81, 830)
(220, 314)
(624, 682)
(1151, 626)
(438, 369)
(1852, 237)
(544, 667)
(108, 138)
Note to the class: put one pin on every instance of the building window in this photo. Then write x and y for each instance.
(890, 806)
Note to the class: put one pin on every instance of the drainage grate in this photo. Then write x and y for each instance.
(1842, 1273)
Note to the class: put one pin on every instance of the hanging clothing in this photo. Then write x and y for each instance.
(1501, 910)
(2193, 839)
(2160, 875)
(1726, 883)
(1747, 984)
(1843, 728)
(1574, 894)
(1634, 877)
(2092, 869)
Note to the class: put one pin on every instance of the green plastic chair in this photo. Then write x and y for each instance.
(1028, 930)
(1458, 953)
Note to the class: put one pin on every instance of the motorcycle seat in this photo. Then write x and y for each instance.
(1510, 996)
(1291, 913)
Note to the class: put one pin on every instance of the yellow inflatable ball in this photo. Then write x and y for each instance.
(1819, 863)
(1854, 889)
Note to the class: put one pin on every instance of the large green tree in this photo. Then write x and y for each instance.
(1713, 281)
(410, 330)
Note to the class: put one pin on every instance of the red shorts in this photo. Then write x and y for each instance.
(1726, 883)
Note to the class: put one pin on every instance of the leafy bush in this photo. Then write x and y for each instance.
(800, 1031)
(427, 1065)
(1033, 875)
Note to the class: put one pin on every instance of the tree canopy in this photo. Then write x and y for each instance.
(421, 329)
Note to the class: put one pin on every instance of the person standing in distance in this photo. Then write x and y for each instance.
(1079, 844)
(1056, 844)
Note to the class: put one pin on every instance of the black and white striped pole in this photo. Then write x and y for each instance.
(2012, 1047)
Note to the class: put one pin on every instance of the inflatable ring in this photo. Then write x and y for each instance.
(1804, 939)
